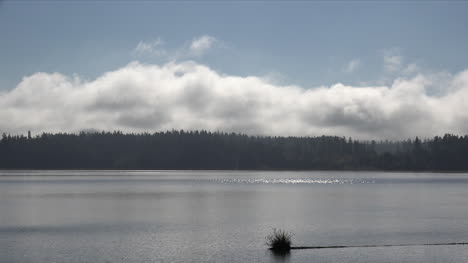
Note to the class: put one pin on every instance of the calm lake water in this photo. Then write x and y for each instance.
(217, 216)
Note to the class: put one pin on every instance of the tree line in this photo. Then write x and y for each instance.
(231, 151)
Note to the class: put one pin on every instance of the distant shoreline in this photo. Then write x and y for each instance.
(203, 150)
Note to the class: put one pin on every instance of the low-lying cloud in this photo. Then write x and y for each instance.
(141, 97)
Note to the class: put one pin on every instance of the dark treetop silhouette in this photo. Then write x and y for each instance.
(217, 150)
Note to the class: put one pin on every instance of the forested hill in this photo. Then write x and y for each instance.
(206, 150)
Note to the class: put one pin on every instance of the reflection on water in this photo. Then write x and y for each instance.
(280, 256)
(213, 216)
(295, 181)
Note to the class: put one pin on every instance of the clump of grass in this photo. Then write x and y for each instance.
(279, 240)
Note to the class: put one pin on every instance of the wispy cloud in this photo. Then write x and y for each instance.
(152, 48)
(352, 65)
(411, 68)
(198, 47)
(395, 65)
(201, 44)
(392, 60)
(144, 97)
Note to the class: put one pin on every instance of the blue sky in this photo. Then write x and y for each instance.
(304, 43)
(370, 69)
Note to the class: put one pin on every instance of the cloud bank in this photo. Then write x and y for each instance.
(141, 97)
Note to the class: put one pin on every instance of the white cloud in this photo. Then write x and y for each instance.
(188, 95)
(352, 65)
(153, 48)
(156, 48)
(201, 44)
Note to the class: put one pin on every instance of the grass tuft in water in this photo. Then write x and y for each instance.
(279, 240)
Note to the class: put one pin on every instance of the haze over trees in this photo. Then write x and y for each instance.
(218, 150)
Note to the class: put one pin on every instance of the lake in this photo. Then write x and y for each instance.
(224, 216)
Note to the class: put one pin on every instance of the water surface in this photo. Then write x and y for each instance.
(219, 216)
